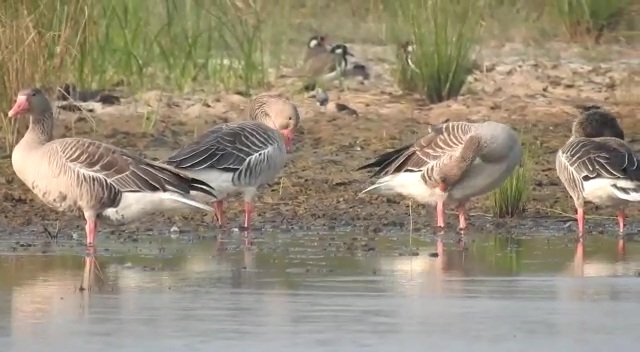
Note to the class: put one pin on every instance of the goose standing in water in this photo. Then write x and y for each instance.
(455, 162)
(240, 157)
(597, 165)
(98, 179)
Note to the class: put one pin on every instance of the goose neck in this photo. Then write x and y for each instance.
(41, 127)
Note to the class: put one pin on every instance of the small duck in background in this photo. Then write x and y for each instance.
(322, 99)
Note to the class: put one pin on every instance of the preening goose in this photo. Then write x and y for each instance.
(100, 180)
(454, 162)
(240, 157)
(597, 165)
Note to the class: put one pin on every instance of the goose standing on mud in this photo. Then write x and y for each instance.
(597, 165)
(242, 156)
(455, 162)
(99, 179)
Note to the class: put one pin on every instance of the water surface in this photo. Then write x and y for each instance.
(324, 293)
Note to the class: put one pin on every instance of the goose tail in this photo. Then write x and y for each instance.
(197, 185)
(383, 161)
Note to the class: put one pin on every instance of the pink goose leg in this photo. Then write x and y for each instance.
(248, 209)
(90, 230)
(218, 212)
(440, 213)
(462, 213)
(580, 221)
(621, 220)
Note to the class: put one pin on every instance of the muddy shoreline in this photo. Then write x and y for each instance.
(319, 188)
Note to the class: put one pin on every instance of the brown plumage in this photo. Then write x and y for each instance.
(98, 179)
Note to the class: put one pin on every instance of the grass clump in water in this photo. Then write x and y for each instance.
(510, 199)
(589, 18)
(444, 33)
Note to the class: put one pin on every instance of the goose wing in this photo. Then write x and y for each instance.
(441, 144)
(319, 64)
(607, 157)
(115, 170)
(230, 148)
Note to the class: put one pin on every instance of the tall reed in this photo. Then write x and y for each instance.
(589, 18)
(445, 34)
(166, 44)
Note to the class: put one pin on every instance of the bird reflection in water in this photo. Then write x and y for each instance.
(222, 238)
(597, 269)
(92, 275)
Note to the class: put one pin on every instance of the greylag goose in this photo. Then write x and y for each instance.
(239, 157)
(98, 179)
(454, 162)
(597, 165)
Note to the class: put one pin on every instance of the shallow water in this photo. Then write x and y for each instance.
(323, 293)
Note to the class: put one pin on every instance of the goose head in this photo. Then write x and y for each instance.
(596, 122)
(30, 101)
(284, 117)
(316, 41)
(341, 50)
(407, 47)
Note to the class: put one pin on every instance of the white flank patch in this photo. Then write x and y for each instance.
(601, 191)
(408, 184)
(134, 206)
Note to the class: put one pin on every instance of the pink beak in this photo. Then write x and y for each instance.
(288, 138)
(19, 107)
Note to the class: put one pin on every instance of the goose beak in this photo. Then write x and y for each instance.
(288, 138)
(21, 106)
